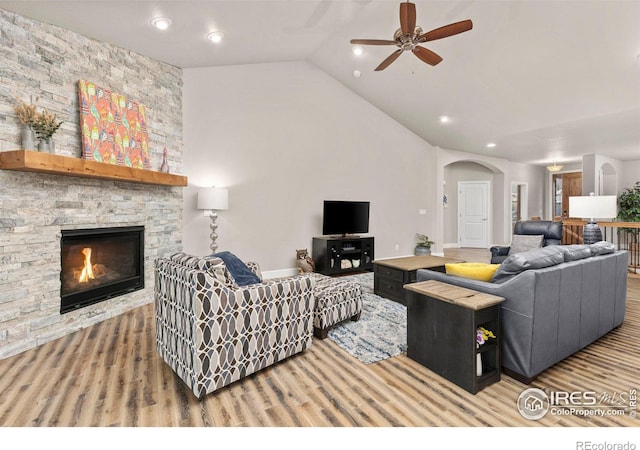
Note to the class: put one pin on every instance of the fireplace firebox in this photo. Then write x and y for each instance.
(99, 264)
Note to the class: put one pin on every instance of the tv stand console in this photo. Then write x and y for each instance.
(335, 255)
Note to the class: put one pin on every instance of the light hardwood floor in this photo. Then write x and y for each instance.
(110, 375)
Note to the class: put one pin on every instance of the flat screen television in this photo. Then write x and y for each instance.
(345, 217)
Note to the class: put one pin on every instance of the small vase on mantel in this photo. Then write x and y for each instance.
(164, 167)
(46, 146)
(28, 138)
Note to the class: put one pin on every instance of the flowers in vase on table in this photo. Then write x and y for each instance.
(483, 335)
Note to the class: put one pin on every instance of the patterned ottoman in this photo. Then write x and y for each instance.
(336, 300)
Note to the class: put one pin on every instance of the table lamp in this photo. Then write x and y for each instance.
(593, 206)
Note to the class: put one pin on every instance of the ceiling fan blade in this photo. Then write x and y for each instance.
(391, 58)
(373, 42)
(427, 55)
(446, 31)
(407, 18)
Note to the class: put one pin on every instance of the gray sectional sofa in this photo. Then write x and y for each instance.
(558, 300)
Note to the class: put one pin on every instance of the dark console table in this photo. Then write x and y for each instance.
(391, 274)
(442, 320)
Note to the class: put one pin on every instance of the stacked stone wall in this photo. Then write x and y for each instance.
(44, 61)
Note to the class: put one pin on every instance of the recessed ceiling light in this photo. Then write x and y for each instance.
(161, 23)
(356, 73)
(357, 50)
(215, 36)
(491, 145)
(445, 119)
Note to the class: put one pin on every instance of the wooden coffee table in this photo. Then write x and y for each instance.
(389, 275)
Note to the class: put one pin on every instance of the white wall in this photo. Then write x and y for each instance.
(284, 137)
(630, 174)
(534, 177)
(601, 173)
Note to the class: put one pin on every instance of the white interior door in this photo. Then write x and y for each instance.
(473, 214)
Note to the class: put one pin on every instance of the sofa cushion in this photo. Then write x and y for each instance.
(240, 272)
(575, 252)
(533, 259)
(602, 248)
(474, 271)
(524, 242)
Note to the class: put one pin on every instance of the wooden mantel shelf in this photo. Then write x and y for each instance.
(32, 161)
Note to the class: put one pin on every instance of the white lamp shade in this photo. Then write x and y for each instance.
(592, 207)
(213, 198)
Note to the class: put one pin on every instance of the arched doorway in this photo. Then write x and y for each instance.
(473, 172)
(608, 180)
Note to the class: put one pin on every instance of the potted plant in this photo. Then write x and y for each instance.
(423, 244)
(46, 124)
(629, 202)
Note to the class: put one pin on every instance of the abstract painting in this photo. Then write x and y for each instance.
(114, 129)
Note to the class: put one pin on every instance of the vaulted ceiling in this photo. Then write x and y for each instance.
(543, 80)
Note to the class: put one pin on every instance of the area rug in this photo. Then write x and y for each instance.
(381, 331)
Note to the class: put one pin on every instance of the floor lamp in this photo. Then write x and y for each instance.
(592, 206)
(213, 199)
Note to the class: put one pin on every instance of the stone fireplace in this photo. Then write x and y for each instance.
(38, 209)
(98, 264)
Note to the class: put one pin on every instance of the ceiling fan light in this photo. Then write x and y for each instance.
(409, 36)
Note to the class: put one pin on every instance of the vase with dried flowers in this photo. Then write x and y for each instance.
(27, 113)
(46, 124)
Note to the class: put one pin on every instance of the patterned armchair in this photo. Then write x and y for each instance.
(212, 332)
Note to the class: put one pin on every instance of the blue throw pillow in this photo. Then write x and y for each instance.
(239, 270)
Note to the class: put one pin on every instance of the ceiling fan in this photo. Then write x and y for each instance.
(408, 36)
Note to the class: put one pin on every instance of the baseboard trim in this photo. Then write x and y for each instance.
(280, 273)
(392, 257)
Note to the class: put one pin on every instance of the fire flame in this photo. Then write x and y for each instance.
(87, 271)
